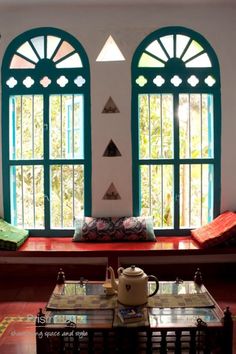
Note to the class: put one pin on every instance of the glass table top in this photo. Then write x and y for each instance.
(168, 287)
(158, 317)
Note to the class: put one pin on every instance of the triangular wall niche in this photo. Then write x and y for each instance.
(110, 107)
(110, 51)
(111, 193)
(111, 150)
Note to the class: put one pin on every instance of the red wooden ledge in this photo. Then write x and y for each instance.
(65, 248)
(63, 245)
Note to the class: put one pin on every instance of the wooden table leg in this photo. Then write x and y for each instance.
(228, 332)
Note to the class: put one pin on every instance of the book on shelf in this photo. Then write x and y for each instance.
(131, 314)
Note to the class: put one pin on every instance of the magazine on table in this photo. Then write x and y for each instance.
(131, 314)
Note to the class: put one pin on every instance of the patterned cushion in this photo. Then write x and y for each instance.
(221, 231)
(107, 229)
(11, 237)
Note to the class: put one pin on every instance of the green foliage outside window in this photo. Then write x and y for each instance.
(46, 124)
(176, 129)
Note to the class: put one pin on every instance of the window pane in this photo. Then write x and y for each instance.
(157, 184)
(168, 42)
(202, 61)
(156, 126)
(192, 50)
(207, 126)
(73, 61)
(148, 61)
(66, 126)
(181, 43)
(27, 51)
(67, 194)
(18, 62)
(39, 45)
(64, 50)
(26, 127)
(196, 125)
(155, 49)
(196, 195)
(27, 196)
(52, 43)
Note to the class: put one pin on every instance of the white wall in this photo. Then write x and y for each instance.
(129, 25)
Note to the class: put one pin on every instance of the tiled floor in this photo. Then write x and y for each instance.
(19, 304)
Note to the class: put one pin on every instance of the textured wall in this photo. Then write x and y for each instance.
(129, 25)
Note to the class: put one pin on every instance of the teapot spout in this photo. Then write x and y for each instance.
(113, 281)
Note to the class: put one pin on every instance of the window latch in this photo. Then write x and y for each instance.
(176, 197)
(46, 198)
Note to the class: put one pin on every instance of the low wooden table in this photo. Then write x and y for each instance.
(84, 329)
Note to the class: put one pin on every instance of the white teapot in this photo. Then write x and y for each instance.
(132, 285)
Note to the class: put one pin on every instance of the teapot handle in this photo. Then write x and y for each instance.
(152, 277)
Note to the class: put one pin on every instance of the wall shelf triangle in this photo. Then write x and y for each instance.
(111, 150)
(111, 193)
(110, 106)
(110, 51)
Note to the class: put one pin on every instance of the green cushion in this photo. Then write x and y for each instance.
(11, 237)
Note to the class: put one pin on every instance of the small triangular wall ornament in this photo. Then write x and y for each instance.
(110, 107)
(110, 51)
(111, 193)
(111, 150)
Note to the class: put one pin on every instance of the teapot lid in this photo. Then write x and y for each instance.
(133, 271)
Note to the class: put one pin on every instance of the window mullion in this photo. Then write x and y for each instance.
(201, 188)
(161, 123)
(176, 162)
(61, 129)
(46, 152)
(34, 50)
(32, 120)
(73, 127)
(45, 47)
(56, 49)
(21, 131)
(162, 196)
(149, 129)
(189, 128)
(22, 195)
(73, 190)
(150, 188)
(190, 196)
(201, 128)
(62, 197)
(174, 43)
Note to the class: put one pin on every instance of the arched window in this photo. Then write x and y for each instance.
(176, 124)
(46, 131)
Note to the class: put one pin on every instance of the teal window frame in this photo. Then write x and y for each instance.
(167, 70)
(46, 67)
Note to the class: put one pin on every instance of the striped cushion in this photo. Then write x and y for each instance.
(221, 230)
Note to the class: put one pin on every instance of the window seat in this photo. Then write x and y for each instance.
(167, 250)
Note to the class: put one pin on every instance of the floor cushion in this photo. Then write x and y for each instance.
(11, 237)
(108, 229)
(221, 231)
